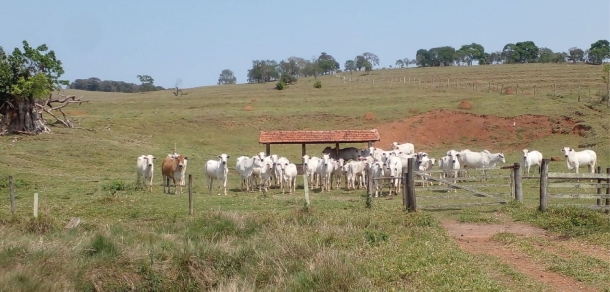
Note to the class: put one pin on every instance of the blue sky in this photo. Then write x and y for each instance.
(195, 40)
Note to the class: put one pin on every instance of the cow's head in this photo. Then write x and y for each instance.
(305, 159)
(394, 145)
(180, 160)
(501, 155)
(525, 152)
(223, 159)
(566, 151)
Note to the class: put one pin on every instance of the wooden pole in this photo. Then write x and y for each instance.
(544, 181)
(489, 87)
(518, 187)
(447, 82)
(554, 90)
(599, 181)
(35, 205)
(589, 93)
(337, 150)
(303, 150)
(191, 194)
(512, 185)
(534, 89)
(405, 190)
(306, 187)
(578, 93)
(517, 89)
(607, 191)
(268, 149)
(12, 186)
(369, 187)
(411, 201)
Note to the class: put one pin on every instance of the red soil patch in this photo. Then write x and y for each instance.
(369, 116)
(509, 91)
(255, 99)
(248, 108)
(448, 129)
(464, 104)
(555, 158)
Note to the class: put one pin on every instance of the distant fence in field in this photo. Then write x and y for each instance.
(505, 88)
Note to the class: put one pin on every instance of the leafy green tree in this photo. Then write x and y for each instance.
(360, 62)
(327, 63)
(576, 55)
(350, 65)
(147, 83)
(226, 77)
(27, 80)
(473, 52)
(510, 54)
(545, 55)
(599, 51)
(528, 52)
(559, 57)
(263, 71)
(423, 58)
(446, 55)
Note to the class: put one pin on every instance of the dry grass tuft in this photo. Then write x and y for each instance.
(254, 99)
(248, 108)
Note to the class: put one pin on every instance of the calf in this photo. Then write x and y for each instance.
(289, 175)
(394, 168)
(325, 168)
(172, 168)
(182, 176)
(217, 170)
(145, 170)
(450, 166)
(531, 158)
(310, 164)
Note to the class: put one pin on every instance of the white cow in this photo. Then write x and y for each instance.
(450, 165)
(349, 153)
(325, 169)
(483, 159)
(376, 173)
(337, 171)
(425, 163)
(531, 158)
(310, 164)
(394, 169)
(244, 168)
(182, 175)
(266, 174)
(145, 170)
(406, 148)
(289, 175)
(278, 170)
(355, 171)
(217, 169)
(581, 158)
(256, 169)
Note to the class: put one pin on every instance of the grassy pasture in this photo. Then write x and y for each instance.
(134, 240)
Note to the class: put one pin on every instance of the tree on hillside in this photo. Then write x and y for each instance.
(495, 58)
(545, 55)
(473, 52)
(422, 58)
(510, 54)
(327, 63)
(350, 65)
(263, 71)
(371, 58)
(360, 62)
(400, 63)
(528, 52)
(226, 77)
(446, 55)
(576, 55)
(147, 83)
(28, 79)
(406, 61)
(599, 51)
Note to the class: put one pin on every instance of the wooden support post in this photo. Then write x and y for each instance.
(411, 201)
(303, 149)
(12, 190)
(337, 150)
(35, 205)
(268, 149)
(518, 187)
(191, 194)
(544, 181)
(370, 143)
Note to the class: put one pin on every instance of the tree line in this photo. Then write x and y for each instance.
(467, 55)
(512, 53)
(96, 84)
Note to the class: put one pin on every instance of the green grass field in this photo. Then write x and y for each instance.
(132, 240)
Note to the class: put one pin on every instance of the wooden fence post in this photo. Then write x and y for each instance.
(306, 187)
(518, 187)
(501, 88)
(544, 181)
(35, 205)
(411, 201)
(517, 90)
(607, 191)
(578, 93)
(534, 89)
(404, 190)
(512, 185)
(589, 93)
(190, 194)
(369, 187)
(447, 82)
(12, 187)
(489, 87)
(554, 90)
(599, 190)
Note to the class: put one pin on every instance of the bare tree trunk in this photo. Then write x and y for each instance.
(26, 118)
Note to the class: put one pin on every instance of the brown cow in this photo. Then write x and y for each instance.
(172, 168)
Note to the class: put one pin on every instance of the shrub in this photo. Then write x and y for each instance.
(280, 85)
(288, 79)
(317, 84)
(102, 245)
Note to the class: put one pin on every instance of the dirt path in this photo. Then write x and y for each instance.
(476, 239)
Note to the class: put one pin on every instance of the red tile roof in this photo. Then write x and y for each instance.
(313, 137)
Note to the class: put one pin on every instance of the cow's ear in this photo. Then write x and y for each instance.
(571, 149)
(219, 156)
(154, 157)
(185, 158)
(228, 156)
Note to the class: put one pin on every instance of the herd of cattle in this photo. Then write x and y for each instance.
(355, 165)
